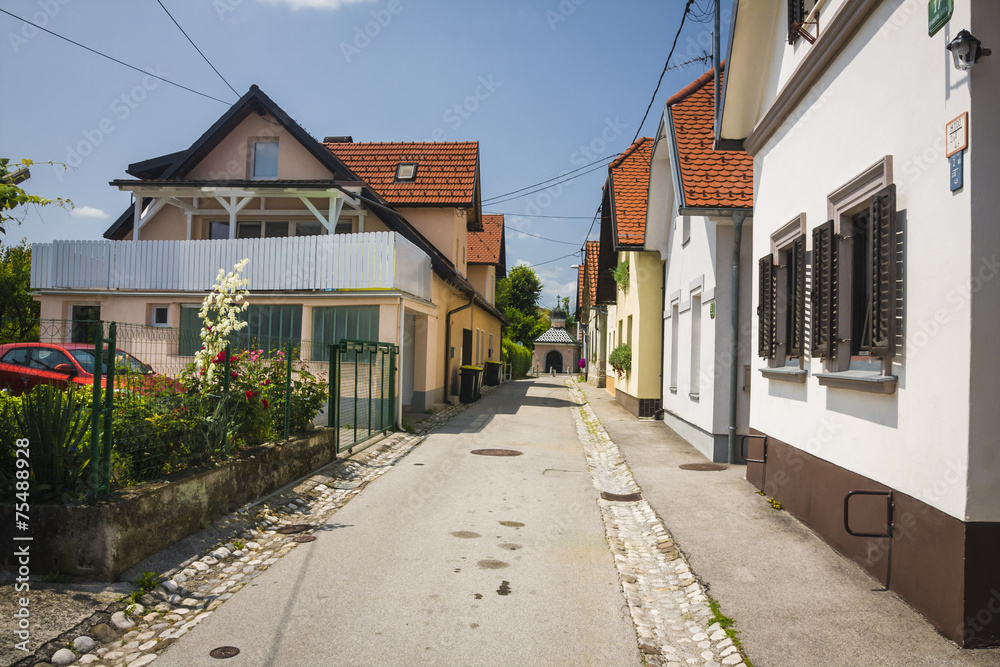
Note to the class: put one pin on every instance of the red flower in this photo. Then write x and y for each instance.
(266, 404)
(235, 374)
(202, 371)
(266, 382)
(248, 394)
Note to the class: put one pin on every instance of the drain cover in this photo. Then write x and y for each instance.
(294, 528)
(702, 467)
(622, 497)
(496, 452)
(224, 652)
(303, 538)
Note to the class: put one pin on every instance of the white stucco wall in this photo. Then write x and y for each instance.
(890, 92)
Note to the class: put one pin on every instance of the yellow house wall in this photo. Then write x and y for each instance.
(443, 227)
(643, 302)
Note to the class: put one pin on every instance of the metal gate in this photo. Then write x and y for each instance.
(362, 391)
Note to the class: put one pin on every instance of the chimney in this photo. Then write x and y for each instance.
(338, 140)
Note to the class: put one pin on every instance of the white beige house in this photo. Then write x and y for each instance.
(592, 317)
(876, 172)
(700, 203)
(346, 240)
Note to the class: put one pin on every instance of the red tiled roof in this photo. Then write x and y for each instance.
(593, 247)
(446, 171)
(711, 178)
(629, 177)
(580, 271)
(484, 247)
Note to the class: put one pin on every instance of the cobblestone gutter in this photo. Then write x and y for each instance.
(669, 606)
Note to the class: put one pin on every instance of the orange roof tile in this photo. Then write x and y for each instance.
(446, 171)
(629, 177)
(711, 178)
(484, 247)
(580, 278)
(593, 248)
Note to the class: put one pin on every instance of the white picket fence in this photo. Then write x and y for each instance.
(372, 260)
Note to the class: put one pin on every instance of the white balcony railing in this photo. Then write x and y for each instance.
(373, 260)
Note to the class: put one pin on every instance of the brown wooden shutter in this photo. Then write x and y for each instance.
(766, 308)
(824, 291)
(797, 298)
(882, 242)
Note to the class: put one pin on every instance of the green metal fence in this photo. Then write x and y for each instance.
(96, 425)
(362, 391)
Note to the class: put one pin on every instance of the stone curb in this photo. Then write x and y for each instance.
(669, 606)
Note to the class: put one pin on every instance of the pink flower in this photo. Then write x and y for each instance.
(266, 382)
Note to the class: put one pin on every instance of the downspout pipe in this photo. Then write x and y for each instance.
(399, 374)
(734, 346)
(447, 343)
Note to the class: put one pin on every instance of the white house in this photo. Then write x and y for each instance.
(700, 201)
(876, 261)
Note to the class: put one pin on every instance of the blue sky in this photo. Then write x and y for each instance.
(545, 86)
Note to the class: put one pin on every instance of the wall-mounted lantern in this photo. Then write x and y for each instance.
(966, 50)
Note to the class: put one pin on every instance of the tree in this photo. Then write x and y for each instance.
(520, 290)
(517, 296)
(564, 306)
(12, 196)
(18, 311)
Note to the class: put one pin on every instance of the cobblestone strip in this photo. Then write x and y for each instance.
(669, 606)
(190, 593)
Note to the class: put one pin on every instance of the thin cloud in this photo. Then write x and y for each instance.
(89, 212)
(314, 4)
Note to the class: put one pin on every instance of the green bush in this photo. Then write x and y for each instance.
(518, 356)
(9, 432)
(621, 360)
(56, 422)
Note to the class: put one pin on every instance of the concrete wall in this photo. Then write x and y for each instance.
(914, 440)
(643, 303)
(101, 541)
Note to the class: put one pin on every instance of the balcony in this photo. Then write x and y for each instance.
(342, 262)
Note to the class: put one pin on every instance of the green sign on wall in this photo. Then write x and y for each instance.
(938, 13)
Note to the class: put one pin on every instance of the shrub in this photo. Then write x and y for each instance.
(56, 422)
(518, 356)
(620, 274)
(621, 360)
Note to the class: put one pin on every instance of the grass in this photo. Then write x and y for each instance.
(239, 545)
(57, 578)
(726, 624)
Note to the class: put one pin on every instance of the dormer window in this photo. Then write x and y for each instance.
(406, 171)
(265, 160)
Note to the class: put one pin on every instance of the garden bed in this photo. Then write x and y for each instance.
(102, 540)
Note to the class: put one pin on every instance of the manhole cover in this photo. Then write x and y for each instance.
(294, 528)
(303, 538)
(496, 452)
(224, 652)
(702, 467)
(621, 497)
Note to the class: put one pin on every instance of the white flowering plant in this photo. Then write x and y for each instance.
(220, 316)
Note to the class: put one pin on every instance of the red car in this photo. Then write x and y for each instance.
(24, 365)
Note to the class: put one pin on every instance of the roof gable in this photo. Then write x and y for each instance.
(488, 245)
(709, 178)
(628, 178)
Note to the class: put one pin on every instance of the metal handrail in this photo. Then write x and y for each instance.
(890, 507)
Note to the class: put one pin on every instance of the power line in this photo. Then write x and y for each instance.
(513, 229)
(523, 215)
(565, 180)
(687, 9)
(196, 48)
(104, 55)
(572, 254)
(593, 222)
(603, 159)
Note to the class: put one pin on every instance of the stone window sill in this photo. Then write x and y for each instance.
(694, 397)
(785, 374)
(869, 381)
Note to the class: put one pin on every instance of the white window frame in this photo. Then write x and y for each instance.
(152, 315)
(257, 141)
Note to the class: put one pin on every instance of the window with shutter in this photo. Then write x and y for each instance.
(796, 14)
(884, 287)
(766, 308)
(824, 291)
